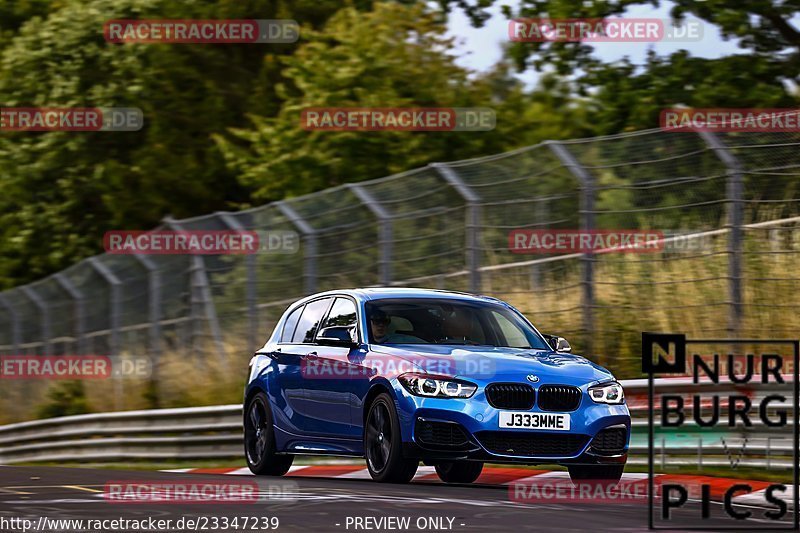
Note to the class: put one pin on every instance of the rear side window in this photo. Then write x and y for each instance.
(290, 324)
(309, 321)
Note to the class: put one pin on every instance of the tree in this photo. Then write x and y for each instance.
(631, 98)
(626, 96)
(394, 56)
(59, 192)
(763, 28)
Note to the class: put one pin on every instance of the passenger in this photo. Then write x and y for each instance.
(457, 327)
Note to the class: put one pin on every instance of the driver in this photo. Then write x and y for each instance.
(379, 325)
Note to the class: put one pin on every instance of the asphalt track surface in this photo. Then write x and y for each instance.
(320, 504)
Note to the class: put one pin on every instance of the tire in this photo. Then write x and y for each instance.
(459, 471)
(383, 443)
(259, 440)
(606, 474)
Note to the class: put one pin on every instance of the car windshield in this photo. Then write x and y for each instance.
(448, 321)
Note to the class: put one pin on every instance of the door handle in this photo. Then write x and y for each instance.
(312, 356)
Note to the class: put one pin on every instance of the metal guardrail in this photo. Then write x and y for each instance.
(193, 433)
(216, 432)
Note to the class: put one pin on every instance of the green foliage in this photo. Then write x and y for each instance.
(59, 192)
(630, 98)
(14, 14)
(222, 123)
(762, 27)
(394, 56)
(64, 399)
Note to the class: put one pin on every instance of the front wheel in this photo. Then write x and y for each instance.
(383, 444)
(459, 471)
(606, 474)
(259, 440)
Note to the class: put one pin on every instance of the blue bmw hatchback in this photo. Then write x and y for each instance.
(400, 376)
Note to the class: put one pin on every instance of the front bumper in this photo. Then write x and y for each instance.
(469, 430)
(413, 451)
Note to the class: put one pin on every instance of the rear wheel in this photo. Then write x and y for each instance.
(459, 471)
(605, 474)
(383, 445)
(259, 440)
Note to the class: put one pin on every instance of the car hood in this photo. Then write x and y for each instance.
(490, 364)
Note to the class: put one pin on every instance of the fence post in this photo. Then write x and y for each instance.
(16, 337)
(154, 316)
(80, 315)
(473, 222)
(200, 296)
(542, 214)
(310, 236)
(386, 240)
(251, 288)
(44, 314)
(735, 216)
(587, 224)
(114, 302)
(153, 305)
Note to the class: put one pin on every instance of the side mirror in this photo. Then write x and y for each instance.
(559, 344)
(336, 336)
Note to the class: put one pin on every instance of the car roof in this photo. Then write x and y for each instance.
(378, 293)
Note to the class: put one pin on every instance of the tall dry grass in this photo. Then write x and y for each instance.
(682, 292)
(178, 380)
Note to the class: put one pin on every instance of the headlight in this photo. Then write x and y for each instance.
(436, 386)
(607, 393)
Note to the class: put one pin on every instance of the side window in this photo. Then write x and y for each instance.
(290, 324)
(309, 321)
(343, 313)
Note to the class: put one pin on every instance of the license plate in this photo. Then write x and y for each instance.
(551, 421)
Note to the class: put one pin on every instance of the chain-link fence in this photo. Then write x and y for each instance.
(729, 200)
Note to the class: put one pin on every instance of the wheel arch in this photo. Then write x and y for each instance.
(376, 388)
(251, 391)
